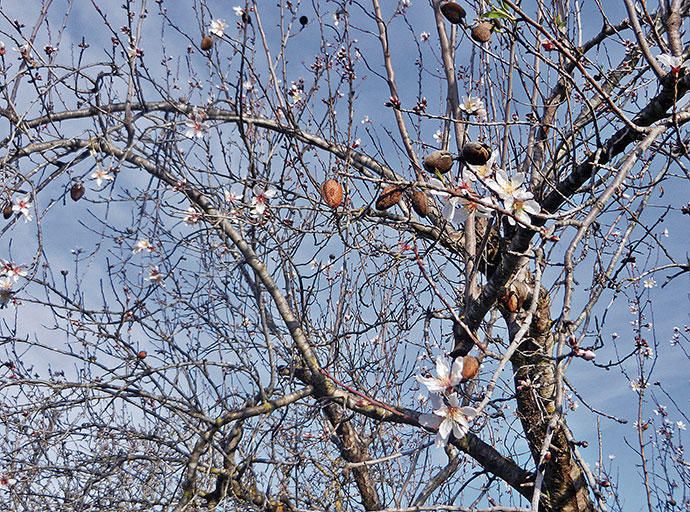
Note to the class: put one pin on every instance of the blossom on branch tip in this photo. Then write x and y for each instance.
(11, 271)
(101, 175)
(506, 186)
(261, 198)
(447, 418)
(447, 378)
(521, 205)
(23, 206)
(195, 128)
(142, 245)
(472, 106)
(673, 63)
(218, 26)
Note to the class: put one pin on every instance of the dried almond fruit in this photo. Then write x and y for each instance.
(475, 153)
(470, 367)
(206, 43)
(419, 203)
(390, 196)
(332, 193)
(482, 32)
(441, 161)
(76, 192)
(453, 12)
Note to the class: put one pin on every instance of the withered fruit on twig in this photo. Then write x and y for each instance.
(441, 161)
(453, 12)
(482, 32)
(332, 193)
(206, 43)
(76, 192)
(419, 203)
(475, 153)
(390, 196)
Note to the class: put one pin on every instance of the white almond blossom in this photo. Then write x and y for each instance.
(447, 378)
(472, 105)
(142, 245)
(195, 127)
(155, 275)
(521, 205)
(192, 216)
(450, 417)
(261, 198)
(465, 206)
(239, 11)
(101, 175)
(671, 62)
(506, 186)
(218, 27)
(11, 270)
(23, 206)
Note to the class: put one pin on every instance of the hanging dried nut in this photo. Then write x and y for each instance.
(453, 12)
(332, 193)
(77, 191)
(511, 301)
(482, 32)
(440, 161)
(303, 20)
(419, 203)
(7, 211)
(206, 43)
(142, 354)
(475, 153)
(389, 197)
(470, 367)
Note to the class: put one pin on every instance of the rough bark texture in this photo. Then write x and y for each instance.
(564, 488)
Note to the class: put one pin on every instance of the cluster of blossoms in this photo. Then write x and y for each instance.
(459, 202)
(448, 415)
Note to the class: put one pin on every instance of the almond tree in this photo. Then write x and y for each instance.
(242, 243)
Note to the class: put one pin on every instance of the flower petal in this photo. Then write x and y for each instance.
(433, 385)
(442, 369)
(456, 371)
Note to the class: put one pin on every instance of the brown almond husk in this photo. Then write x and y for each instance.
(453, 12)
(332, 193)
(390, 196)
(7, 211)
(441, 161)
(76, 192)
(475, 153)
(482, 32)
(470, 367)
(420, 203)
(206, 43)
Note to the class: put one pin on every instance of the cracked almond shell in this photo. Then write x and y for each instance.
(475, 153)
(441, 161)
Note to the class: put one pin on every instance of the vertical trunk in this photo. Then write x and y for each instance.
(564, 488)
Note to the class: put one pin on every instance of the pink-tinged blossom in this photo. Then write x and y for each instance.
(193, 216)
(23, 206)
(11, 270)
(196, 128)
(447, 378)
(142, 245)
(155, 275)
(424, 37)
(218, 27)
(239, 11)
(447, 418)
(521, 205)
(465, 206)
(6, 481)
(101, 175)
(261, 199)
(232, 196)
(671, 62)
